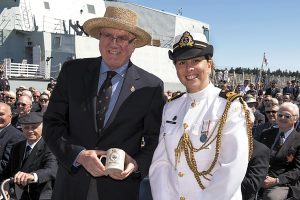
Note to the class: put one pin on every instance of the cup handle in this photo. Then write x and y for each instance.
(103, 156)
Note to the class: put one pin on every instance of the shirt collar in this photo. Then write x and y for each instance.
(286, 134)
(120, 70)
(32, 145)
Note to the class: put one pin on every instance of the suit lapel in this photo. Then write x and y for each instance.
(288, 142)
(20, 154)
(90, 80)
(34, 154)
(129, 83)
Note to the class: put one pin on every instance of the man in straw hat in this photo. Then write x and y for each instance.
(102, 103)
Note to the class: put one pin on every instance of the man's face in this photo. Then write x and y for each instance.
(271, 113)
(36, 95)
(286, 118)
(5, 116)
(116, 46)
(32, 132)
(24, 105)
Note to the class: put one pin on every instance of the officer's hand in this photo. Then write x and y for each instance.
(89, 159)
(22, 178)
(130, 166)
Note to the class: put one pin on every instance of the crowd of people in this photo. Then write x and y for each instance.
(212, 142)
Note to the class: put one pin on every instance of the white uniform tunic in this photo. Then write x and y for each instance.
(168, 183)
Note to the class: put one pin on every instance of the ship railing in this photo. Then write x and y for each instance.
(23, 70)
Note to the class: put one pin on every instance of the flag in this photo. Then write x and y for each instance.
(265, 60)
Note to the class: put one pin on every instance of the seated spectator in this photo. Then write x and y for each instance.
(286, 97)
(256, 172)
(265, 102)
(44, 101)
(271, 113)
(283, 177)
(288, 89)
(10, 99)
(24, 106)
(252, 104)
(32, 165)
(278, 96)
(9, 135)
(273, 90)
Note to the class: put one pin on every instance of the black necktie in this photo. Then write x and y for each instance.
(26, 154)
(103, 99)
(279, 141)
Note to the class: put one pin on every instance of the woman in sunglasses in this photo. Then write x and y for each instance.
(44, 101)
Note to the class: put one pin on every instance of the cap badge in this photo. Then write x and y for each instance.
(186, 40)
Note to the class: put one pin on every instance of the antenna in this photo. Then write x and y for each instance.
(179, 11)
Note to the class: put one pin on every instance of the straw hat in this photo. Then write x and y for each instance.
(118, 18)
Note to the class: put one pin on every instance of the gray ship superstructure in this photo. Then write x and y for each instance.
(37, 37)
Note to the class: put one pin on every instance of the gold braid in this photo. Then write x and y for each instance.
(185, 144)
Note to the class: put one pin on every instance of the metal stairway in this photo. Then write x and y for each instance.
(26, 15)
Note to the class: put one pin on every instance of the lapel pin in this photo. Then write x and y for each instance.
(132, 89)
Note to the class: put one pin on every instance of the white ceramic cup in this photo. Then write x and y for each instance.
(115, 159)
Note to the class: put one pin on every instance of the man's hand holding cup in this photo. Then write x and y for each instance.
(119, 165)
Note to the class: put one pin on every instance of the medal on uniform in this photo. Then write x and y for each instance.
(204, 131)
(193, 104)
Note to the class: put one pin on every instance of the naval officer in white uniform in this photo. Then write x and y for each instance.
(205, 138)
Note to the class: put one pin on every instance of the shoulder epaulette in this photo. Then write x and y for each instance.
(176, 97)
(229, 96)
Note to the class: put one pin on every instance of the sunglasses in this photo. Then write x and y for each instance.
(21, 104)
(35, 96)
(285, 115)
(271, 111)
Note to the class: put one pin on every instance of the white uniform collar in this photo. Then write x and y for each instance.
(197, 96)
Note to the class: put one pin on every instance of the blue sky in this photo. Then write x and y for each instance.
(241, 31)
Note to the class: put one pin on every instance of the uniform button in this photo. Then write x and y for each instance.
(182, 198)
(180, 174)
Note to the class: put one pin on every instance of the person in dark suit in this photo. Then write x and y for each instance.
(256, 172)
(32, 165)
(9, 135)
(283, 179)
(79, 129)
(273, 90)
(288, 89)
(24, 106)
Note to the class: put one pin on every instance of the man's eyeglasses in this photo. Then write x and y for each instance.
(285, 115)
(121, 40)
(270, 111)
(45, 100)
(21, 104)
(35, 96)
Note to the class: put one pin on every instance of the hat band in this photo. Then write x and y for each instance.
(197, 44)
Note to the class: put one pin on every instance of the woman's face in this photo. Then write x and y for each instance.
(44, 100)
(194, 73)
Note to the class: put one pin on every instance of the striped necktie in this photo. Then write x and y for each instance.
(103, 99)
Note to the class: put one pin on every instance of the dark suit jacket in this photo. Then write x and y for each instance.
(271, 92)
(70, 126)
(257, 171)
(40, 161)
(288, 172)
(8, 137)
(289, 90)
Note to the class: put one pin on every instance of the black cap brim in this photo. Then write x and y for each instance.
(188, 53)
